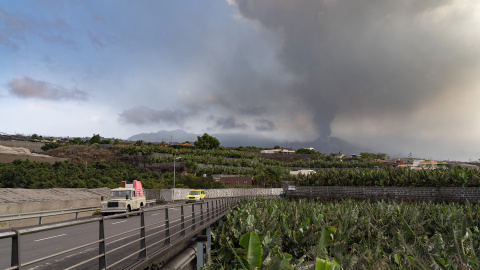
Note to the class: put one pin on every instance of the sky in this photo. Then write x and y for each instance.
(394, 76)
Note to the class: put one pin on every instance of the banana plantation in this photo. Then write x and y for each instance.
(347, 234)
(400, 177)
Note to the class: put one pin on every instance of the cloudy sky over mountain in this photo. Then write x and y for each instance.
(394, 76)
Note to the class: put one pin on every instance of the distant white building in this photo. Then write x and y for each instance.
(277, 151)
(304, 172)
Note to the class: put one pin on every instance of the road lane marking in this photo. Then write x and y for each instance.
(118, 222)
(50, 237)
(155, 214)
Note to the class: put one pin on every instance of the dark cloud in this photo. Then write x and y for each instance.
(25, 87)
(229, 123)
(264, 125)
(195, 104)
(142, 115)
(252, 110)
(366, 57)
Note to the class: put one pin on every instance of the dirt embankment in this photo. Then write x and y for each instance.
(84, 153)
(9, 154)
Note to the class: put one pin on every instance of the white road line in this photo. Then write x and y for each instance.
(119, 222)
(50, 237)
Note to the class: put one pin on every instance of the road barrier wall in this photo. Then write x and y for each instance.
(28, 207)
(167, 195)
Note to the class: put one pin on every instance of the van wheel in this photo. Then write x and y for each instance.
(128, 210)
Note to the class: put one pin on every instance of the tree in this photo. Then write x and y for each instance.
(207, 142)
(305, 151)
(76, 141)
(49, 146)
(106, 141)
(191, 167)
(35, 137)
(95, 139)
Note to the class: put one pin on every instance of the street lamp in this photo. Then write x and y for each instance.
(173, 197)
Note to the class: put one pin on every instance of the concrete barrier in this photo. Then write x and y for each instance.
(45, 206)
(166, 195)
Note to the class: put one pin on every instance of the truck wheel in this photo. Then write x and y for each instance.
(128, 210)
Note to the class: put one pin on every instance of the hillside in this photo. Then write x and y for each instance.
(85, 153)
(323, 145)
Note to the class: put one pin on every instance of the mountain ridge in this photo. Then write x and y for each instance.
(323, 145)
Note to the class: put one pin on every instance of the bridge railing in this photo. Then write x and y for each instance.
(175, 230)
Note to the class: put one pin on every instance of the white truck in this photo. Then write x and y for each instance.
(127, 198)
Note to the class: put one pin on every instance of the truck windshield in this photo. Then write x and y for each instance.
(194, 192)
(118, 194)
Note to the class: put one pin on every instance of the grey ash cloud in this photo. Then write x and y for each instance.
(264, 125)
(142, 115)
(368, 57)
(252, 110)
(25, 87)
(229, 123)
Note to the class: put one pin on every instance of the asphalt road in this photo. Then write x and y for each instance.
(118, 232)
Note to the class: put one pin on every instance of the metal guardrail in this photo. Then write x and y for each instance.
(41, 214)
(211, 211)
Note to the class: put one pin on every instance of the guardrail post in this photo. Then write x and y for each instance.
(201, 213)
(182, 226)
(102, 251)
(40, 220)
(15, 258)
(167, 227)
(216, 208)
(193, 217)
(143, 236)
(76, 215)
(208, 211)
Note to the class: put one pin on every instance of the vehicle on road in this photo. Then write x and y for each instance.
(195, 195)
(127, 198)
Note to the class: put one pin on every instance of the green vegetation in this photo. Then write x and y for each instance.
(305, 151)
(49, 146)
(401, 177)
(27, 174)
(207, 142)
(356, 235)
